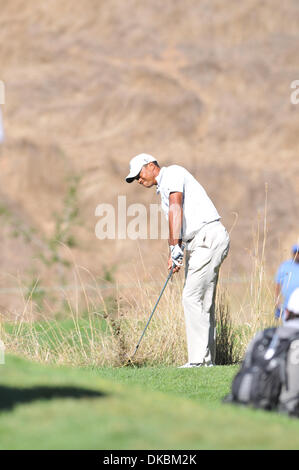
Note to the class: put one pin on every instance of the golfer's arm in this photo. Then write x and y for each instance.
(175, 218)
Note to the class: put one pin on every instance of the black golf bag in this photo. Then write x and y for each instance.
(269, 374)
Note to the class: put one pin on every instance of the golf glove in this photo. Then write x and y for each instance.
(177, 253)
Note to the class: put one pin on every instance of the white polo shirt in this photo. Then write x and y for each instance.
(198, 209)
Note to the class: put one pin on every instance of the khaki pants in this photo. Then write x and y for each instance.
(204, 255)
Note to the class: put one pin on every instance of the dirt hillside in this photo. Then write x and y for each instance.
(91, 84)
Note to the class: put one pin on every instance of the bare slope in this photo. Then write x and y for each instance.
(90, 84)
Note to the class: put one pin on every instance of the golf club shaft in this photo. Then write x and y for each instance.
(168, 277)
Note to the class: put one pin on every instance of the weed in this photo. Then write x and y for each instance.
(227, 344)
(64, 226)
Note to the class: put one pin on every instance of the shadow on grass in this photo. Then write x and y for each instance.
(12, 396)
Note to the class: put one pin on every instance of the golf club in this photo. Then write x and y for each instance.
(151, 315)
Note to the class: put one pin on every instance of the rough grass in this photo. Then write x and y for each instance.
(47, 407)
(106, 333)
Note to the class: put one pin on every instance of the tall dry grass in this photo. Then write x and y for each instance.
(104, 331)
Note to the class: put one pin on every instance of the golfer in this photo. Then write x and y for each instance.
(194, 223)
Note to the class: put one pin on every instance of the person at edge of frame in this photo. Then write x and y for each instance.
(287, 280)
(193, 221)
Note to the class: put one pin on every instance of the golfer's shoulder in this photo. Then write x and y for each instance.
(175, 171)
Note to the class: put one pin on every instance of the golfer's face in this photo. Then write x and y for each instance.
(146, 176)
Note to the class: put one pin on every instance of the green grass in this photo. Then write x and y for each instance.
(47, 407)
(49, 334)
(213, 384)
(50, 328)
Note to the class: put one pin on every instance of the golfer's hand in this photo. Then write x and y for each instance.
(170, 262)
(176, 255)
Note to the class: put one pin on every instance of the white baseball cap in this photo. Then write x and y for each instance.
(137, 163)
(293, 303)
